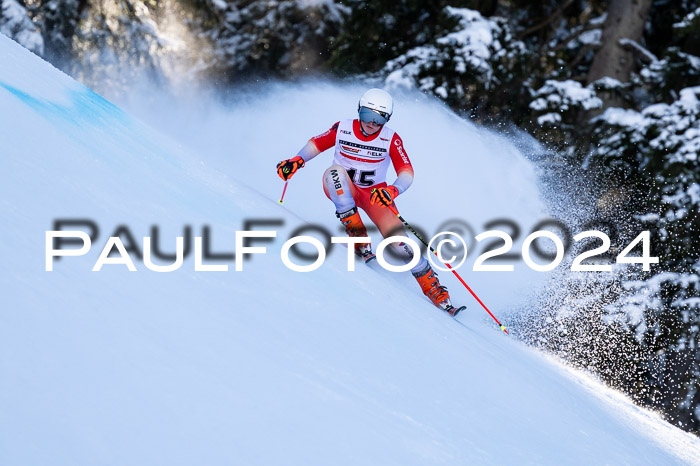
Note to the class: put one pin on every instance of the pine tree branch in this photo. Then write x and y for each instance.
(546, 22)
(574, 35)
(581, 54)
(631, 46)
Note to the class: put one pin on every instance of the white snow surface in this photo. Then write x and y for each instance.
(267, 366)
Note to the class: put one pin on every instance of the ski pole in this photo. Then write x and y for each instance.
(448, 266)
(281, 201)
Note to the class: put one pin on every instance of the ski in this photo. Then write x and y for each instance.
(453, 311)
(368, 257)
(371, 260)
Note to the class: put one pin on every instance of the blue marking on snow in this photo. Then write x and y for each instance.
(86, 108)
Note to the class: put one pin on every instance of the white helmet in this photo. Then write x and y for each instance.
(378, 104)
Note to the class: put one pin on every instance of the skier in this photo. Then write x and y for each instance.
(364, 149)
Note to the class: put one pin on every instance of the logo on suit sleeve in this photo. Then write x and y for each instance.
(399, 147)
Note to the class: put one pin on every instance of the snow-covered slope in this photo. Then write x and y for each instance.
(264, 366)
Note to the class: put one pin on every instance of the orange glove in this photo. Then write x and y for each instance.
(384, 196)
(287, 168)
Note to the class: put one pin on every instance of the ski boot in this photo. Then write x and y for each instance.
(355, 228)
(436, 293)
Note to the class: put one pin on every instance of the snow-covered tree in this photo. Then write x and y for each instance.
(470, 66)
(16, 24)
(624, 24)
(558, 107)
(267, 37)
(655, 152)
(116, 40)
(58, 21)
(378, 31)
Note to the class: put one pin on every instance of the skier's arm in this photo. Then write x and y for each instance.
(402, 165)
(318, 144)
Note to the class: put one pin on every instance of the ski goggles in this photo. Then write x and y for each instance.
(367, 115)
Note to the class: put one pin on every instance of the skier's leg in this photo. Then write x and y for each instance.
(339, 188)
(342, 191)
(390, 225)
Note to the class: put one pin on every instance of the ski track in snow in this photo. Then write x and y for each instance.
(267, 366)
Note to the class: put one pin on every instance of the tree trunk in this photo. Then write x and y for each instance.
(626, 19)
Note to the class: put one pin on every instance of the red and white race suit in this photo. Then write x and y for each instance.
(360, 163)
(365, 158)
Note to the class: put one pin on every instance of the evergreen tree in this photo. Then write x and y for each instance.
(16, 24)
(58, 22)
(260, 37)
(376, 32)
